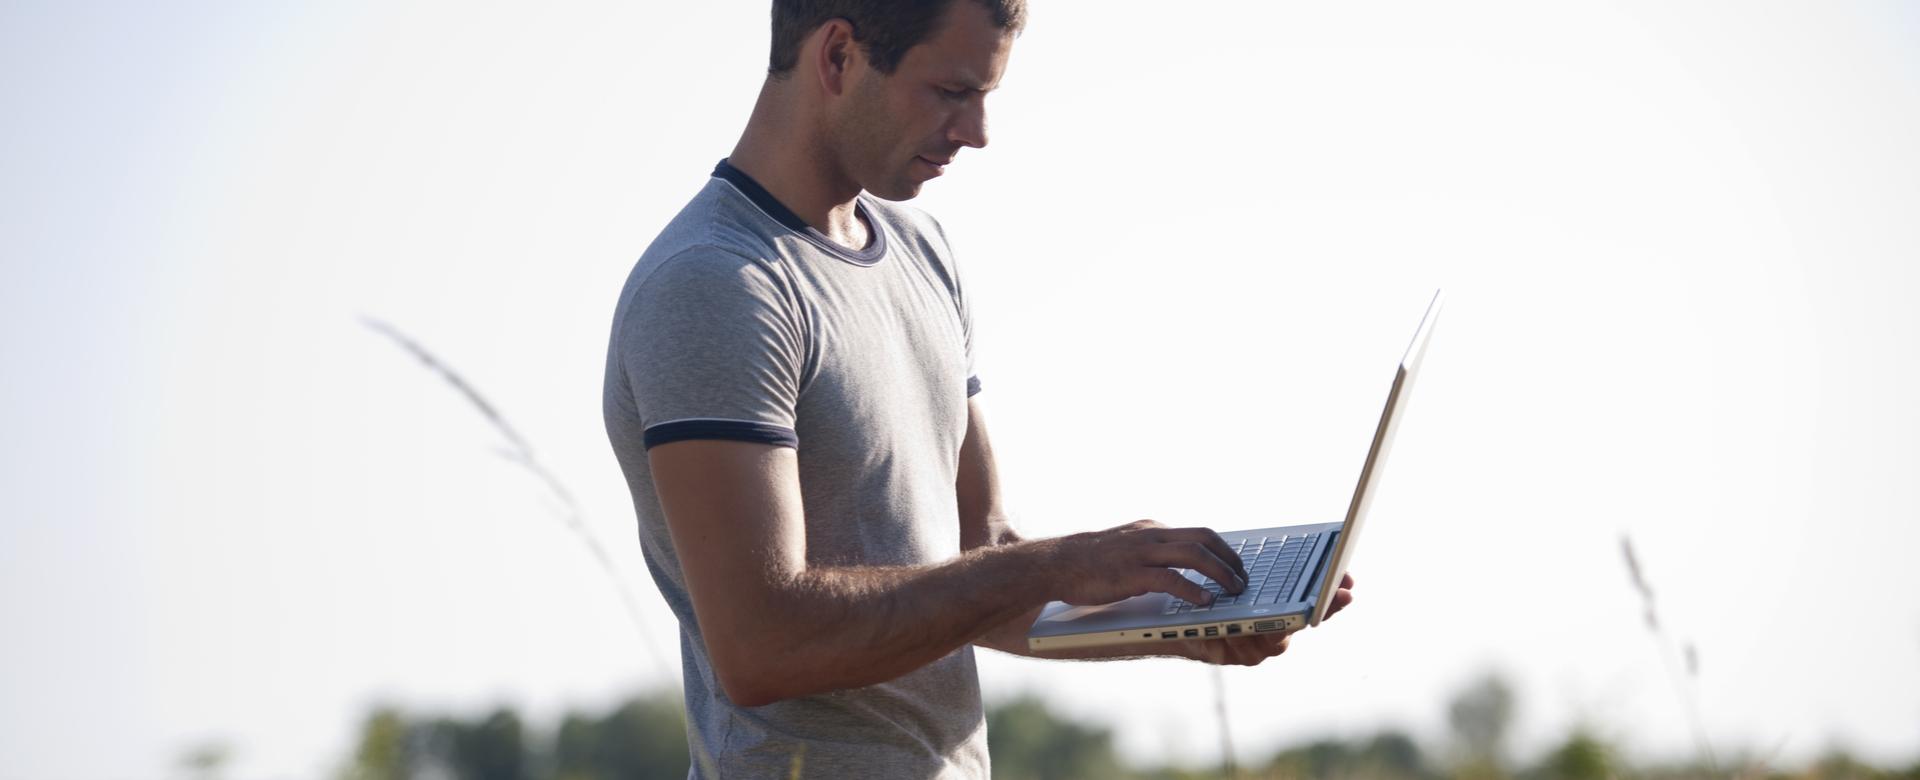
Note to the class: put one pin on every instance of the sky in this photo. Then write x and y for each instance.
(1678, 241)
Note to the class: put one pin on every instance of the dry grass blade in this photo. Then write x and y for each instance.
(1640, 582)
(1681, 685)
(799, 760)
(1224, 725)
(520, 452)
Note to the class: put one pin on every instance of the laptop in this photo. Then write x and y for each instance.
(1292, 571)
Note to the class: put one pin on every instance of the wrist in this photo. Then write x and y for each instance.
(1030, 568)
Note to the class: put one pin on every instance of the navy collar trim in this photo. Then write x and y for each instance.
(876, 247)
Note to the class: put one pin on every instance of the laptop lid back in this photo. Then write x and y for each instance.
(1376, 458)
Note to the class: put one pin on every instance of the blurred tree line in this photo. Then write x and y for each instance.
(645, 737)
(642, 737)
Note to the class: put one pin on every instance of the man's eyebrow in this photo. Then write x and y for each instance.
(966, 79)
(973, 86)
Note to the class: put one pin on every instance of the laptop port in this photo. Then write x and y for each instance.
(1213, 630)
(1233, 629)
(1169, 635)
(1193, 632)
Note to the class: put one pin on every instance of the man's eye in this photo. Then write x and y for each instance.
(954, 94)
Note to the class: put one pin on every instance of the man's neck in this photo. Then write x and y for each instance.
(783, 154)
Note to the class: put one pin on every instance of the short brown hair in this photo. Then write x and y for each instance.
(886, 29)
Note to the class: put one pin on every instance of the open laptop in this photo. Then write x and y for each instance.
(1292, 571)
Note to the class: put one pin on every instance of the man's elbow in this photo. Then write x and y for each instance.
(755, 696)
(750, 679)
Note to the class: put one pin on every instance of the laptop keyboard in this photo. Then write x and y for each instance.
(1274, 565)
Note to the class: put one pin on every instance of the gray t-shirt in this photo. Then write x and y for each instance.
(740, 322)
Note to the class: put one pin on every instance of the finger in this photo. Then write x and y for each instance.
(1214, 543)
(1346, 581)
(1341, 598)
(1198, 557)
(1208, 651)
(1272, 646)
(1226, 652)
(1251, 650)
(1171, 582)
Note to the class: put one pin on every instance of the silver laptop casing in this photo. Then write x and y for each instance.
(1141, 619)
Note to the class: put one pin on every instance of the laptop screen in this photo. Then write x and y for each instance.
(1377, 456)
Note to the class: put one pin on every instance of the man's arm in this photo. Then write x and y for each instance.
(983, 520)
(776, 627)
(984, 524)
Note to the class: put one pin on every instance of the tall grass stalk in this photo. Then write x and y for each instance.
(1227, 768)
(521, 453)
(1683, 685)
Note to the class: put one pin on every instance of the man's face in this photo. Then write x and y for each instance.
(897, 131)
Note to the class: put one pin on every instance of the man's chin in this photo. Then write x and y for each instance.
(903, 190)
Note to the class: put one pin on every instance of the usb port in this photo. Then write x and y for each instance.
(1213, 630)
(1169, 635)
(1193, 632)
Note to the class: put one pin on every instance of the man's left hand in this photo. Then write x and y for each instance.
(1251, 650)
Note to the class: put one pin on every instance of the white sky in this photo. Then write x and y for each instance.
(1679, 240)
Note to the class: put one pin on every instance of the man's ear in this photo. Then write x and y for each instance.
(834, 55)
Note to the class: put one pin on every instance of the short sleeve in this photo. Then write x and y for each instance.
(959, 288)
(966, 327)
(712, 348)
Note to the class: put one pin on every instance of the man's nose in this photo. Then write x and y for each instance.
(970, 127)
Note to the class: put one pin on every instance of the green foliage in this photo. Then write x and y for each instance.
(645, 737)
(381, 754)
(1389, 755)
(490, 749)
(1479, 715)
(641, 737)
(1839, 765)
(205, 761)
(1581, 757)
(1028, 742)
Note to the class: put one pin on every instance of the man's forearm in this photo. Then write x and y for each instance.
(1010, 636)
(830, 628)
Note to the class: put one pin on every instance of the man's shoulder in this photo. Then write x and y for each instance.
(715, 233)
(716, 220)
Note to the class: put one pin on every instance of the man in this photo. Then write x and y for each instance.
(789, 392)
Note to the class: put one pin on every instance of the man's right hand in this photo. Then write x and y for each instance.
(1101, 567)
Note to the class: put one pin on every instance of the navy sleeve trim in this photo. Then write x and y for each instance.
(973, 386)
(731, 430)
(780, 213)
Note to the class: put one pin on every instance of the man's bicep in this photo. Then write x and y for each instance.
(983, 520)
(734, 511)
